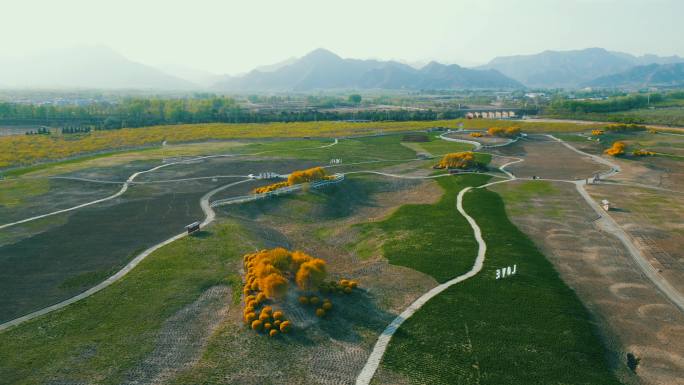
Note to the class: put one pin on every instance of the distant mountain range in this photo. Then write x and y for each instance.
(101, 67)
(322, 69)
(85, 67)
(653, 75)
(570, 69)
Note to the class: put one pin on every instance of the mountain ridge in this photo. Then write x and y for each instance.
(663, 75)
(569, 69)
(323, 69)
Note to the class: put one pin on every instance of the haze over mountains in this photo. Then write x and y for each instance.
(322, 69)
(85, 67)
(101, 67)
(570, 69)
(653, 75)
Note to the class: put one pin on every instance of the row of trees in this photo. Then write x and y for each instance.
(140, 112)
(613, 104)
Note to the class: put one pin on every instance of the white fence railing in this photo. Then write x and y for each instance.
(285, 190)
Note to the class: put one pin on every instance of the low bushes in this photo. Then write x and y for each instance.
(476, 134)
(643, 152)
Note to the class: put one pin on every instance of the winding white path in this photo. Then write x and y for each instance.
(131, 180)
(374, 359)
(371, 366)
(210, 215)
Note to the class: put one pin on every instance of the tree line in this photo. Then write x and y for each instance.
(140, 112)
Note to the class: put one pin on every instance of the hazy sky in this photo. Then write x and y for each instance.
(229, 36)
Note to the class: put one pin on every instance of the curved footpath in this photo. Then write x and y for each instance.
(371, 366)
(210, 215)
(374, 359)
(131, 180)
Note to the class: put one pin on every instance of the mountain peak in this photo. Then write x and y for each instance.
(321, 54)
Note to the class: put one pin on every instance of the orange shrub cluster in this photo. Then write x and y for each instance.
(643, 152)
(267, 271)
(457, 160)
(306, 176)
(506, 132)
(476, 134)
(617, 149)
(342, 286)
(322, 310)
(296, 177)
(270, 187)
(597, 132)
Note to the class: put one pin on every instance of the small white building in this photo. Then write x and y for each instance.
(605, 204)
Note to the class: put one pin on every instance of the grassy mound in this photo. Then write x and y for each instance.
(433, 239)
(526, 329)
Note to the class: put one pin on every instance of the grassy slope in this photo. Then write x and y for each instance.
(424, 237)
(118, 325)
(526, 329)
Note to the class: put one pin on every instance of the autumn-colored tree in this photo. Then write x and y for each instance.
(274, 285)
(597, 132)
(617, 149)
(305, 176)
(506, 132)
(311, 274)
(461, 160)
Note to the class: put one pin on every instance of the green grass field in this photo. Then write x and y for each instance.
(99, 339)
(529, 328)
(432, 246)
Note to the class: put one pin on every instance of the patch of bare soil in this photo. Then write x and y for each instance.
(655, 171)
(182, 338)
(632, 316)
(655, 221)
(547, 158)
